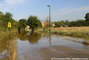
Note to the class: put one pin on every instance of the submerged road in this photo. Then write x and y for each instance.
(38, 47)
(57, 52)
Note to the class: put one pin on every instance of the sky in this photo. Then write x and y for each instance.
(60, 9)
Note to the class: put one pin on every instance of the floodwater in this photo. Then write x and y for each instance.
(38, 46)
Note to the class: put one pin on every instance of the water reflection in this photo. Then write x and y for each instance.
(3, 45)
(34, 37)
(23, 36)
(50, 41)
(46, 35)
(8, 49)
(33, 41)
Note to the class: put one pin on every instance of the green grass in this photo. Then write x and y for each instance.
(4, 33)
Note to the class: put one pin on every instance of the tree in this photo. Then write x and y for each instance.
(5, 18)
(59, 23)
(1, 13)
(8, 15)
(87, 17)
(1, 18)
(67, 22)
(77, 23)
(33, 22)
(22, 23)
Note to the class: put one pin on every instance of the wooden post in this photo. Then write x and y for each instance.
(9, 34)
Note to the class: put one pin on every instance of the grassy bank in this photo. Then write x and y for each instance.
(4, 33)
(82, 32)
(79, 32)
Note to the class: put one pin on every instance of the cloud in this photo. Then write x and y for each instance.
(0, 5)
(66, 14)
(77, 10)
(12, 2)
(9, 5)
(70, 13)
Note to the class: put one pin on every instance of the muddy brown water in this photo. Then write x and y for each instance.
(34, 46)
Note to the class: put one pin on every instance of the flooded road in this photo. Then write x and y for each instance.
(34, 46)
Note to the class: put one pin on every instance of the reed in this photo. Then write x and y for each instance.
(72, 31)
(4, 34)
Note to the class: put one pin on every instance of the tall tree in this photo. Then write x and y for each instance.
(22, 22)
(33, 22)
(8, 15)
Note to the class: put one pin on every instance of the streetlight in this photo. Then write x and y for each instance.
(49, 22)
(49, 26)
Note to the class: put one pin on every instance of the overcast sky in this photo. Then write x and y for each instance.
(60, 9)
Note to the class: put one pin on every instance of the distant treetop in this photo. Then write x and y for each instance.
(87, 17)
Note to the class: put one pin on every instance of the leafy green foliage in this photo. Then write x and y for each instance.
(33, 22)
(59, 23)
(22, 22)
(1, 13)
(5, 18)
(77, 23)
(87, 17)
(8, 15)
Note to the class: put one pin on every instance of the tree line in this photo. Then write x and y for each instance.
(34, 22)
(77, 23)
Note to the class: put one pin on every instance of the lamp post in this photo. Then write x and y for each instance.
(49, 22)
(49, 26)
